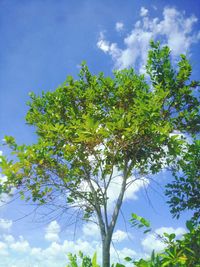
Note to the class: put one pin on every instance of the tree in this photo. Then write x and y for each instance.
(91, 127)
(184, 191)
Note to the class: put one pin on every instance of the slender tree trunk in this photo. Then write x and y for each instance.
(106, 251)
(107, 230)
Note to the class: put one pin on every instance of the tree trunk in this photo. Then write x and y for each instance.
(107, 230)
(106, 251)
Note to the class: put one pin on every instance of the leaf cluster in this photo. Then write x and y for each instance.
(140, 222)
(183, 252)
(184, 191)
(85, 261)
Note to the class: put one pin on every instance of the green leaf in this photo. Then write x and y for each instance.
(128, 259)
(189, 225)
(94, 260)
(147, 231)
(119, 265)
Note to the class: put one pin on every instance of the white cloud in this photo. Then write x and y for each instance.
(19, 252)
(58, 251)
(119, 26)
(9, 239)
(103, 44)
(3, 249)
(177, 231)
(136, 185)
(107, 47)
(36, 251)
(21, 245)
(91, 229)
(5, 224)
(3, 179)
(52, 231)
(131, 192)
(123, 253)
(119, 236)
(4, 199)
(174, 29)
(152, 241)
(54, 250)
(143, 11)
(114, 188)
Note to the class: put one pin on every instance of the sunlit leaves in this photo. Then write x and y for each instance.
(86, 127)
(183, 252)
(184, 191)
(86, 261)
(140, 222)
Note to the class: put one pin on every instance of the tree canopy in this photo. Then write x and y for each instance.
(92, 127)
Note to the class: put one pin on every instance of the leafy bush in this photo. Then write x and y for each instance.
(178, 253)
(85, 261)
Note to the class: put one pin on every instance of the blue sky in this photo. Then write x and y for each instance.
(41, 43)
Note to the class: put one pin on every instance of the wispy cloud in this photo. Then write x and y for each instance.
(119, 26)
(5, 224)
(173, 29)
(143, 11)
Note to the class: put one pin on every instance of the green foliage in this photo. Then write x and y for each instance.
(154, 261)
(82, 260)
(88, 127)
(183, 252)
(123, 115)
(138, 221)
(180, 102)
(184, 191)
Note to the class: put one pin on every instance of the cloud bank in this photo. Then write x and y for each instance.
(18, 252)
